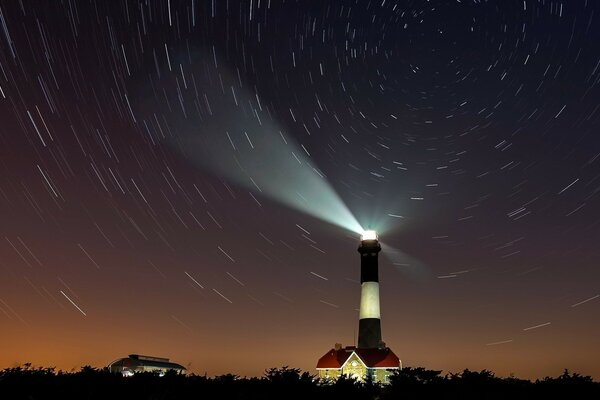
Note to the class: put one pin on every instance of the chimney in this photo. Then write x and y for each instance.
(338, 346)
(369, 326)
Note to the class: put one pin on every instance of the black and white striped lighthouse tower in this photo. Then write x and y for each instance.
(371, 359)
(369, 327)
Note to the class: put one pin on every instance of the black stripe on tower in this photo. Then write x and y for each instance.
(369, 333)
(369, 268)
(369, 328)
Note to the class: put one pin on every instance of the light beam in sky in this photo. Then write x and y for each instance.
(407, 265)
(239, 140)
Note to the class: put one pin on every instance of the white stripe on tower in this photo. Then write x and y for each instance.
(369, 300)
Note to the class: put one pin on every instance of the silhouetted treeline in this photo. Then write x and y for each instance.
(285, 383)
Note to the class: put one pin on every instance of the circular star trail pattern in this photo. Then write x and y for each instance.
(466, 132)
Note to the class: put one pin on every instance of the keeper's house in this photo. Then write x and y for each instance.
(358, 363)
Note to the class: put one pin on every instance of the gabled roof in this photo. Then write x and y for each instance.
(379, 358)
(372, 358)
(334, 359)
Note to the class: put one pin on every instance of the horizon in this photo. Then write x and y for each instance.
(443, 373)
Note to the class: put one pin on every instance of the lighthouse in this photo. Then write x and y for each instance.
(371, 358)
(369, 325)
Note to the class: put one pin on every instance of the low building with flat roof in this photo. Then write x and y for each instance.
(136, 363)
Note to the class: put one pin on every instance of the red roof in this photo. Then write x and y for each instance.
(373, 358)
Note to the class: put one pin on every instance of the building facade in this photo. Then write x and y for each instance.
(356, 363)
(135, 363)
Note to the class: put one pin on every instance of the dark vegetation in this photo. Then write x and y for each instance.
(285, 383)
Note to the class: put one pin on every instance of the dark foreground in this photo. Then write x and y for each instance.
(286, 383)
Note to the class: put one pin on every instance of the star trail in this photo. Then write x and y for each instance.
(190, 179)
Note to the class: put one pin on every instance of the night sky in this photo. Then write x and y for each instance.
(188, 179)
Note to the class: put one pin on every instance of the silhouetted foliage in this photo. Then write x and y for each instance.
(89, 383)
(288, 376)
(415, 376)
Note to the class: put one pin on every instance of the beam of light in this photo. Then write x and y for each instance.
(235, 137)
(406, 264)
(259, 158)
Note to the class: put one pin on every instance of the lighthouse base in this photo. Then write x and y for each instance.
(369, 334)
(360, 364)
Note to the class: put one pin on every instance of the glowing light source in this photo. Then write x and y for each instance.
(368, 235)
